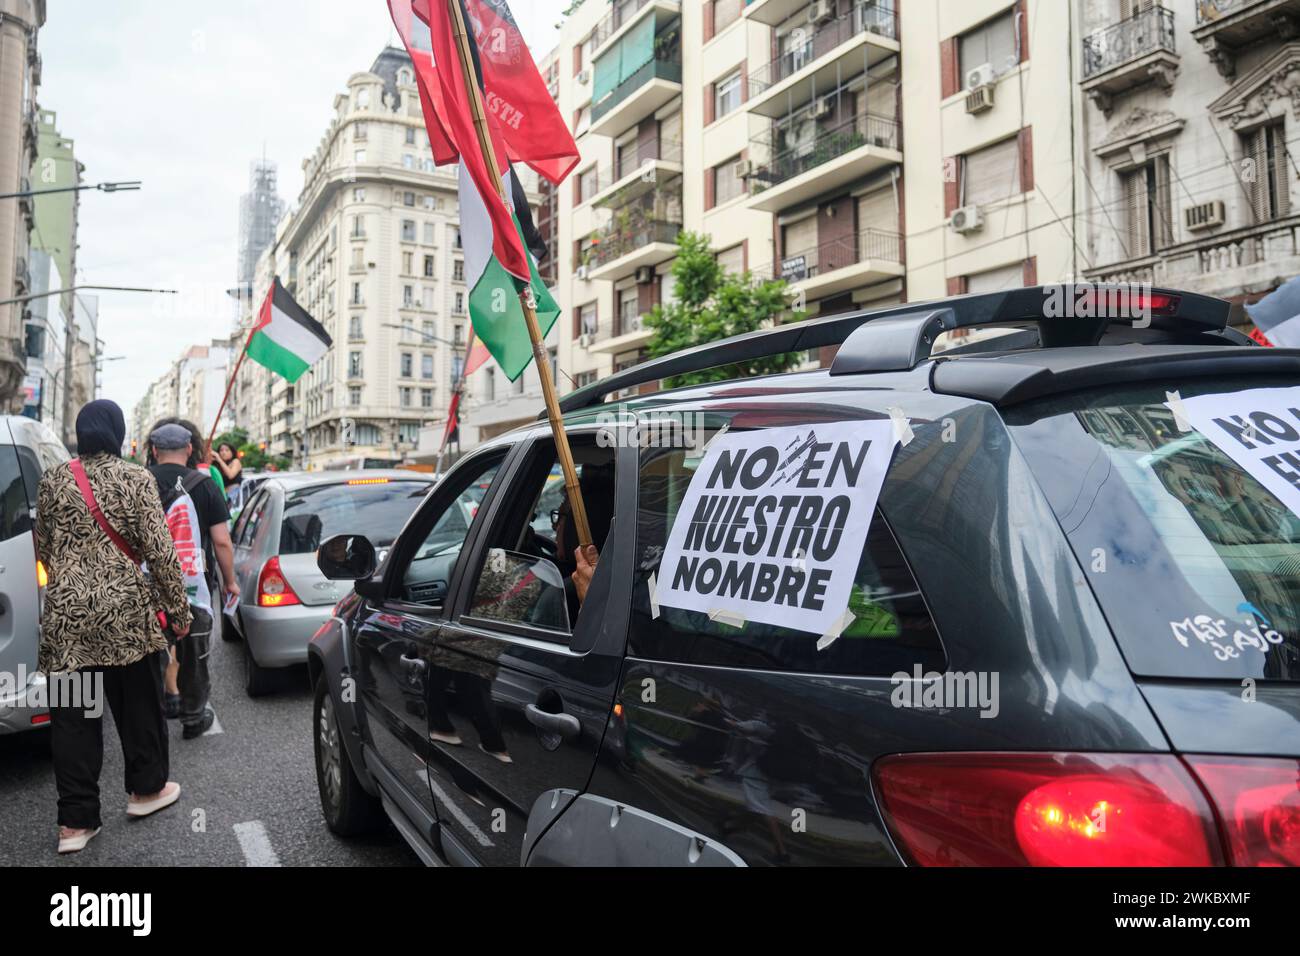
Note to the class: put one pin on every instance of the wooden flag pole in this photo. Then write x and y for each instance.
(540, 357)
(207, 448)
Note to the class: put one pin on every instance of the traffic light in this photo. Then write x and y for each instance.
(135, 444)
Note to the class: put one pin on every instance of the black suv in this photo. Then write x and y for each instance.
(1073, 632)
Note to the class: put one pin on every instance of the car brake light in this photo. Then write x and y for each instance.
(272, 588)
(42, 576)
(39, 719)
(1125, 303)
(1258, 800)
(367, 481)
(1046, 809)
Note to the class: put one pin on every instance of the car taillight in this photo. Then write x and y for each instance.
(1258, 800)
(42, 576)
(272, 588)
(1046, 809)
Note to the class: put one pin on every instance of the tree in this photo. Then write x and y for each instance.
(710, 304)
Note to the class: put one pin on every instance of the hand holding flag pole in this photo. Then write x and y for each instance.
(565, 454)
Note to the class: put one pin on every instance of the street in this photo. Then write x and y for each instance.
(248, 792)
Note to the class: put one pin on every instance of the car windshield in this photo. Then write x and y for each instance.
(1195, 562)
(375, 507)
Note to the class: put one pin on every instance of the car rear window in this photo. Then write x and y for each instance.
(374, 507)
(891, 631)
(1196, 564)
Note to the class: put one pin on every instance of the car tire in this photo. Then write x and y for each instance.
(347, 808)
(258, 680)
(229, 632)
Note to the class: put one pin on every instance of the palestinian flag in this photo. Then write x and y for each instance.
(494, 308)
(286, 339)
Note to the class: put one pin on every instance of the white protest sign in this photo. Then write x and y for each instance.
(1260, 430)
(773, 524)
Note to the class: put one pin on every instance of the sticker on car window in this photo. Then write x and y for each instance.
(1214, 634)
(772, 526)
(1260, 430)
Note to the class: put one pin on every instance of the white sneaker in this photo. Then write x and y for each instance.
(142, 808)
(452, 738)
(77, 842)
(503, 757)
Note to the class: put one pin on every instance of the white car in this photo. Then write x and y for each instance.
(27, 449)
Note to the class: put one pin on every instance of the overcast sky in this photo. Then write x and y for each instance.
(182, 96)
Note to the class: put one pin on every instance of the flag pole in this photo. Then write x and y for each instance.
(207, 448)
(540, 357)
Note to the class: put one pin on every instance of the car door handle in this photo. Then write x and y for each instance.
(413, 666)
(566, 725)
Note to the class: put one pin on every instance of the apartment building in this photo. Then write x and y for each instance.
(191, 389)
(1189, 140)
(20, 74)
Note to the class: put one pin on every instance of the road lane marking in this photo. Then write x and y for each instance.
(256, 844)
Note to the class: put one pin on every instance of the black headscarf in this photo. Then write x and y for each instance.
(101, 428)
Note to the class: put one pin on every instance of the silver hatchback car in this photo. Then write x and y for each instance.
(285, 598)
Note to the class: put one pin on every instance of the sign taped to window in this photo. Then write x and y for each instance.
(1259, 429)
(774, 521)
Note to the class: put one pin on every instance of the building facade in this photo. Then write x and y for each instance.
(1188, 143)
(20, 74)
(191, 389)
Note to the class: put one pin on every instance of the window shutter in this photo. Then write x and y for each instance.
(710, 92)
(577, 59)
(1031, 271)
(744, 81)
(992, 174)
(1162, 213)
(1258, 152)
(708, 20)
(949, 80)
(709, 186)
(956, 285)
(1281, 178)
(1136, 208)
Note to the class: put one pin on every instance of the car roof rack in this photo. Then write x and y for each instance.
(901, 337)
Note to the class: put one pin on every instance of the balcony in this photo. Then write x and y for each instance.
(623, 94)
(839, 265)
(623, 16)
(638, 170)
(626, 335)
(619, 251)
(1130, 54)
(806, 160)
(1224, 27)
(831, 52)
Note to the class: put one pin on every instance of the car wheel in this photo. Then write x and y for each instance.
(258, 680)
(347, 808)
(228, 630)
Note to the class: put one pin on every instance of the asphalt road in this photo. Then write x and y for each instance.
(248, 792)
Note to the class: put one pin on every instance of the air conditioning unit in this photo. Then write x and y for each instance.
(966, 219)
(582, 272)
(820, 11)
(584, 340)
(1206, 215)
(742, 169)
(980, 99)
(645, 275)
(823, 107)
(584, 77)
(982, 75)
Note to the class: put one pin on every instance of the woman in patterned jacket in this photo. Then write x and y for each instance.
(99, 625)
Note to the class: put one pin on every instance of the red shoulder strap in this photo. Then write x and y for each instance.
(88, 496)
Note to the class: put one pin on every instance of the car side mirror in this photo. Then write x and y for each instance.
(347, 557)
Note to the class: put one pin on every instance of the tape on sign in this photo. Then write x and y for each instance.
(654, 595)
(836, 629)
(902, 427)
(721, 431)
(720, 615)
(1174, 402)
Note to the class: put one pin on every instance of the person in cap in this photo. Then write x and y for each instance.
(173, 457)
(97, 518)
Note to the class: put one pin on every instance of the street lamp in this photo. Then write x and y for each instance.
(102, 187)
